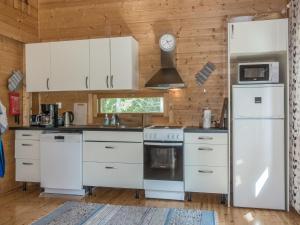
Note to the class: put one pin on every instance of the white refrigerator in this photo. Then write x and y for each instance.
(259, 146)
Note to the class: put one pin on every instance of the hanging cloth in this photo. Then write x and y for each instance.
(3, 128)
(2, 160)
(3, 119)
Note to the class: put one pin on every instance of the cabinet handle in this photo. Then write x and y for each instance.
(232, 31)
(107, 81)
(205, 138)
(109, 167)
(205, 171)
(27, 145)
(205, 149)
(48, 84)
(112, 81)
(86, 82)
(27, 164)
(109, 147)
(26, 135)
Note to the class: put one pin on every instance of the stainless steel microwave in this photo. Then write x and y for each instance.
(258, 72)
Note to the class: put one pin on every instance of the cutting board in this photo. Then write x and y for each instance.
(80, 114)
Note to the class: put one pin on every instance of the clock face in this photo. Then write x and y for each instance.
(167, 42)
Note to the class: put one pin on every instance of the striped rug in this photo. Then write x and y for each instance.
(76, 213)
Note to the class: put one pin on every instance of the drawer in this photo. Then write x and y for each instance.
(206, 138)
(206, 179)
(27, 149)
(116, 175)
(108, 136)
(28, 170)
(113, 152)
(28, 134)
(205, 154)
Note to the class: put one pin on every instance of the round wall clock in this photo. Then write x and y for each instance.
(167, 42)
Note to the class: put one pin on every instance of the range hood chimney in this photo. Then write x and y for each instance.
(167, 77)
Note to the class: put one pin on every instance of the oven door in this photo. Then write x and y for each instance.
(254, 73)
(163, 161)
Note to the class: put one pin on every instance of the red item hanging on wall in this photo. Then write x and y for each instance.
(14, 105)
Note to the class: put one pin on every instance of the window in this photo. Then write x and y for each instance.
(132, 105)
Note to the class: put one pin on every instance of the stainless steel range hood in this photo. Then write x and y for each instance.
(167, 77)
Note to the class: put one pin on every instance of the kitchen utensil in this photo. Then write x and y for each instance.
(80, 114)
(206, 118)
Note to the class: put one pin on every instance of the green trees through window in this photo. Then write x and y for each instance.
(132, 105)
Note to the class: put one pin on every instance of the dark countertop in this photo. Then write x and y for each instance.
(79, 128)
(204, 130)
(102, 128)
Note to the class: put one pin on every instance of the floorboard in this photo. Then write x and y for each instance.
(19, 207)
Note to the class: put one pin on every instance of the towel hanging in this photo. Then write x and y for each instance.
(2, 160)
(3, 119)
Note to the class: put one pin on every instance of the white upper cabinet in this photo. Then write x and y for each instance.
(258, 36)
(100, 64)
(97, 64)
(124, 63)
(38, 70)
(70, 65)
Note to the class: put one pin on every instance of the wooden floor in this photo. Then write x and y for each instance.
(25, 207)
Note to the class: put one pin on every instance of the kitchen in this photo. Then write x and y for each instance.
(70, 56)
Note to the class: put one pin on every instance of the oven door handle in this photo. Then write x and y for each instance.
(162, 144)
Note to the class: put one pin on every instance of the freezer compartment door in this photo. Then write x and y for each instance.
(262, 101)
(258, 164)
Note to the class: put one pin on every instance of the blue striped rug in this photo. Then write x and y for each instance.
(76, 213)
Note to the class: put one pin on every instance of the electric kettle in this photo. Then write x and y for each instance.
(68, 118)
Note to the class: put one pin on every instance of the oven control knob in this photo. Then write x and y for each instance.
(178, 136)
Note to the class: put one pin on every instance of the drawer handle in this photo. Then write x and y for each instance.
(26, 145)
(109, 147)
(205, 138)
(109, 167)
(27, 164)
(205, 171)
(205, 149)
(26, 135)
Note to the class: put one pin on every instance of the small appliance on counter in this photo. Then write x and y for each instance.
(49, 115)
(35, 120)
(68, 118)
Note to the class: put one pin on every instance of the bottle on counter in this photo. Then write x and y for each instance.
(106, 120)
(113, 120)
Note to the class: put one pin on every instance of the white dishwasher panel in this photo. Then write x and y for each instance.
(61, 163)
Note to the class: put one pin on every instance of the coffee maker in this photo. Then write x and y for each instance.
(49, 115)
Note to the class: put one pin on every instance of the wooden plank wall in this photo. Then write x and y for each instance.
(11, 58)
(19, 20)
(18, 25)
(200, 28)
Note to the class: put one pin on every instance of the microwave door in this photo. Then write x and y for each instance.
(254, 73)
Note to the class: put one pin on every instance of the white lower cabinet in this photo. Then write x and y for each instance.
(206, 162)
(113, 159)
(206, 179)
(117, 175)
(28, 170)
(27, 154)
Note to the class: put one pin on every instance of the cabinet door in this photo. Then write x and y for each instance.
(123, 63)
(258, 36)
(70, 65)
(100, 64)
(37, 67)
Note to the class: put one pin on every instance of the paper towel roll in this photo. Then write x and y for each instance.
(206, 118)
